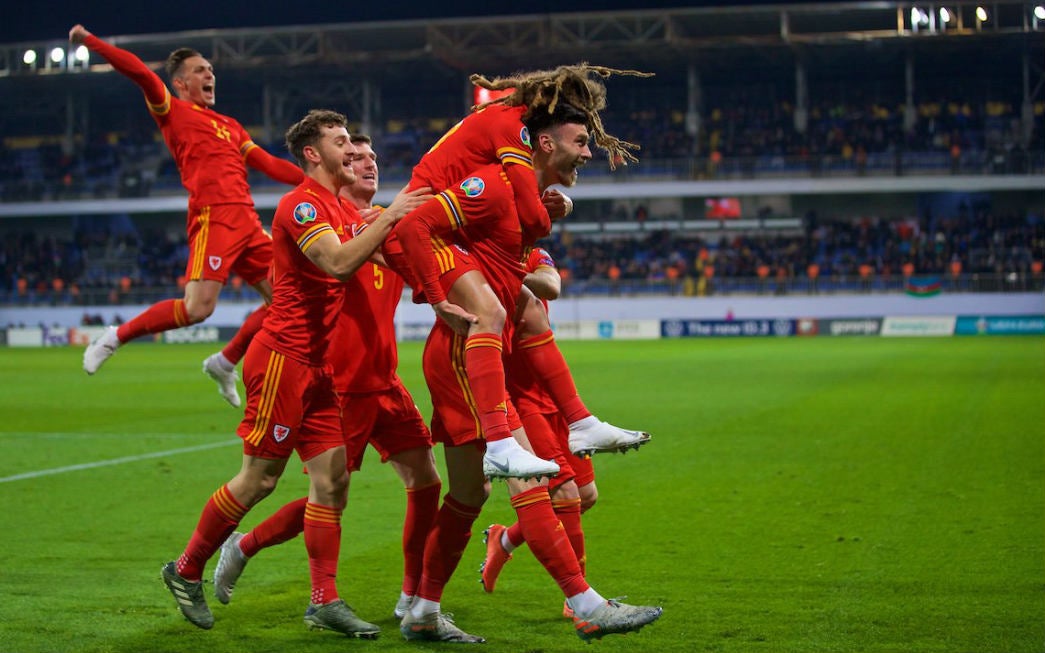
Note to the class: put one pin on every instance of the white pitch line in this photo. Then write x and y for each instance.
(117, 461)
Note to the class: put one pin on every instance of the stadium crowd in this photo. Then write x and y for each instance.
(99, 266)
(740, 134)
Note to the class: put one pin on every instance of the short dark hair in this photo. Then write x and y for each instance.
(361, 138)
(309, 130)
(177, 58)
(539, 121)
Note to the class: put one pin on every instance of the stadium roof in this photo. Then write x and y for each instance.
(645, 37)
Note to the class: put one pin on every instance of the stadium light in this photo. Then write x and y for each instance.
(82, 54)
(945, 16)
(919, 18)
(29, 58)
(1037, 17)
(981, 15)
(57, 55)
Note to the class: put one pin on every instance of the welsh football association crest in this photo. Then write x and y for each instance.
(214, 262)
(280, 432)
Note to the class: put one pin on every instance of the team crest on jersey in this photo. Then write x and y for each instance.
(473, 186)
(304, 213)
(214, 262)
(280, 432)
(524, 136)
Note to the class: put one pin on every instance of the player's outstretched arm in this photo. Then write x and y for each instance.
(273, 167)
(342, 260)
(125, 62)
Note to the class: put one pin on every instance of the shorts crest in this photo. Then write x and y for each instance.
(280, 432)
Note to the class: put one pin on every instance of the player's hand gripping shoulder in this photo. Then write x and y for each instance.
(406, 201)
(459, 319)
(78, 34)
(559, 204)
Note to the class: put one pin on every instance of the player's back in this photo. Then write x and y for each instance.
(495, 134)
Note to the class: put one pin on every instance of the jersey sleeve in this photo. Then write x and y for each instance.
(305, 221)
(539, 258)
(533, 216)
(515, 152)
(272, 166)
(156, 93)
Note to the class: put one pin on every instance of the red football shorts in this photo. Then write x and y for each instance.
(226, 238)
(454, 418)
(387, 419)
(291, 406)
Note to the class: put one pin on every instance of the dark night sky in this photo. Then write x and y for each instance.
(51, 19)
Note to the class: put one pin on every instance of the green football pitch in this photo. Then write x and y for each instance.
(824, 494)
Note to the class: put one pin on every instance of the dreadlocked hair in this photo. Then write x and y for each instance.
(579, 86)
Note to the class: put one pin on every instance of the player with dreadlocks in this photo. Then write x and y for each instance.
(462, 250)
(541, 92)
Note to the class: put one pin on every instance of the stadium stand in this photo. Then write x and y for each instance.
(742, 96)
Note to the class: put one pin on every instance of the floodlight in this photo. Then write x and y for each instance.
(57, 55)
(919, 19)
(945, 15)
(29, 58)
(981, 14)
(82, 54)
(1039, 12)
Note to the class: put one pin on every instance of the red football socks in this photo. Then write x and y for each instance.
(323, 543)
(485, 369)
(548, 365)
(422, 507)
(285, 524)
(446, 543)
(547, 539)
(237, 347)
(161, 316)
(221, 514)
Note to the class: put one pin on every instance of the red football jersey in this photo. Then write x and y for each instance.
(209, 149)
(306, 300)
(494, 135)
(479, 214)
(364, 353)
